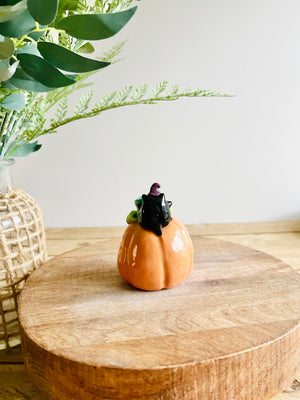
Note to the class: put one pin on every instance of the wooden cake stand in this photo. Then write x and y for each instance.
(229, 332)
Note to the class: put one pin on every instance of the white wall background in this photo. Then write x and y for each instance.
(219, 160)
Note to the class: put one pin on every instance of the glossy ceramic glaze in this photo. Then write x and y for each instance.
(152, 262)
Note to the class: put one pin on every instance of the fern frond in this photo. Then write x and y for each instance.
(36, 131)
(111, 6)
(123, 95)
(173, 90)
(140, 92)
(106, 99)
(113, 100)
(83, 103)
(188, 91)
(81, 6)
(52, 98)
(110, 55)
(160, 88)
(62, 109)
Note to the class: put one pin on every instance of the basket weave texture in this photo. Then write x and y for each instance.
(22, 250)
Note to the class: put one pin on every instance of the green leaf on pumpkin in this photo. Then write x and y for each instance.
(43, 71)
(95, 26)
(68, 60)
(43, 11)
(132, 217)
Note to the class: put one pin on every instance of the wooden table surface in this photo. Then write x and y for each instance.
(280, 239)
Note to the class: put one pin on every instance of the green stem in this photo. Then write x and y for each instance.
(8, 122)
(19, 42)
(3, 124)
(37, 29)
(5, 129)
(48, 29)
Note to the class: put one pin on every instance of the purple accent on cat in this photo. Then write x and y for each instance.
(154, 190)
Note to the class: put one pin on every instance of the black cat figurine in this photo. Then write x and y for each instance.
(155, 211)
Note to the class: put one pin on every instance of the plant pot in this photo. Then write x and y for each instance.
(22, 250)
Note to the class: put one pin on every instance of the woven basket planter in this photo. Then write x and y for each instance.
(22, 250)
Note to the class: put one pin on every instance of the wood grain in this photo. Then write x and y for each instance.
(229, 332)
(285, 246)
(15, 384)
(200, 229)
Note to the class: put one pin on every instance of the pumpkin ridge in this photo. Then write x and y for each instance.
(165, 267)
(165, 262)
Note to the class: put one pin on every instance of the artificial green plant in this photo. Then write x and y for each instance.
(44, 57)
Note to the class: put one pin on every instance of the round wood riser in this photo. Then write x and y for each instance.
(231, 332)
(257, 374)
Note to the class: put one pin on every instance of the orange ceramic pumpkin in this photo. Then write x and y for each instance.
(152, 262)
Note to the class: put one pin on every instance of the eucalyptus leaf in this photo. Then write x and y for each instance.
(72, 76)
(95, 26)
(28, 49)
(26, 149)
(68, 60)
(7, 70)
(86, 48)
(43, 71)
(10, 2)
(37, 35)
(7, 48)
(43, 11)
(18, 26)
(21, 80)
(14, 102)
(9, 12)
(4, 65)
